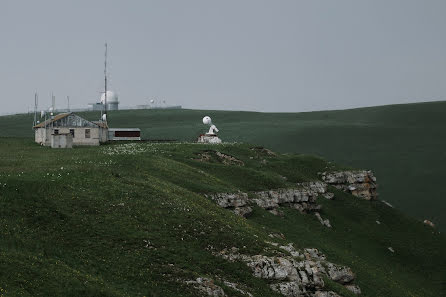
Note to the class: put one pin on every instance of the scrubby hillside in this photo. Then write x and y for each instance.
(402, 144)
(139, 220)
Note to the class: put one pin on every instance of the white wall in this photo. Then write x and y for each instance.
(78, 139)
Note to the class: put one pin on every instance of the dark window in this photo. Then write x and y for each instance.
(127, 134)
(56, 131)
(87, 133)
(72, 132)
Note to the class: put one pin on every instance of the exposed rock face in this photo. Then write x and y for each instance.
(325, 294)
(343, 275)
(207, 286)
(298, 275)
(287, 289)
(237, 202)
(360, 183)
(429, 223)
(354, 289)
(387, 203)
(325, 222)
(303, 198)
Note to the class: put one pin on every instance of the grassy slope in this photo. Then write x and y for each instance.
(403, 144)
(76, 222)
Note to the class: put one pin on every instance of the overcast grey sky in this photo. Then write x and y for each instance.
(275, 55)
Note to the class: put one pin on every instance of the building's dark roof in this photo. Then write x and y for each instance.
(63, 115)
(49, 121)
(123, 129)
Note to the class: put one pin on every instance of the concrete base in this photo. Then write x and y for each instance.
(207, 138)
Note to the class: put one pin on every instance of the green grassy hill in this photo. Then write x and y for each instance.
(402, 144)
(132, 220)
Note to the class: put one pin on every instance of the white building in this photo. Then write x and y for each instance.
(82, 131)
(112, 102)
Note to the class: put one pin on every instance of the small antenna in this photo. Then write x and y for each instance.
(68, 102)
(53, 100)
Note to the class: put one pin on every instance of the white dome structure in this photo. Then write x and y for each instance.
(112, 97)
(112, 100)
(207, 120)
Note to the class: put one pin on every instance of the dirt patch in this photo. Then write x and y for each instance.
(263, 151)
(218, 157)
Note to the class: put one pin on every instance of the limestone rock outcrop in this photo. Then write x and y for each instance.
(354, 289)
(342, 275)
(429, 223)
(303, 198)
(325, 222)
(237, 202)
(360, 183)
(299, 274)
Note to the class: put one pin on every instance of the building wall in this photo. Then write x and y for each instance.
(61, 141)
(79, 135)
(39, 136)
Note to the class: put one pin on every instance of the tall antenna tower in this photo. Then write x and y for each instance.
(105, 81)
(36, 102)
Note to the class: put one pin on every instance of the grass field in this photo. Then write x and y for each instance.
(402, 144)
(132, 220)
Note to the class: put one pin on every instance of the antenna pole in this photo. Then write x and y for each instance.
(105, 81)
(53, 98)
(68, 101)
(36, 98)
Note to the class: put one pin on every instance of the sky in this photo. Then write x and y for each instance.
(272, 56)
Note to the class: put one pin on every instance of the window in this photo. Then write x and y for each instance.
(72, 132)
(87, 133)
(56, 131)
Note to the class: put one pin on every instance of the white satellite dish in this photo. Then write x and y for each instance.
(207, 120)
(152, 101)
(104, 117)
(211, 135)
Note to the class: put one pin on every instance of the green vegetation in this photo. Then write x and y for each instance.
(402, 144)
(132, 220)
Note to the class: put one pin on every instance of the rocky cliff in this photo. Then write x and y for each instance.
(296, 272)
(361, 183)
(290, 272)
(302, 197)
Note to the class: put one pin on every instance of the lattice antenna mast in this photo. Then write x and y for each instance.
(36, 102)
(105, 82)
